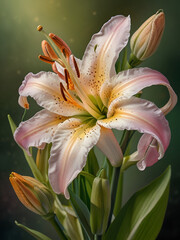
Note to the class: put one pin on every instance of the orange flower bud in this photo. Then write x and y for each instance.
(33, 194)
(146, 39)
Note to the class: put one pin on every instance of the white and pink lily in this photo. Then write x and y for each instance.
(84, 99)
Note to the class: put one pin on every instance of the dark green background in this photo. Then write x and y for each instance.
(75, 21)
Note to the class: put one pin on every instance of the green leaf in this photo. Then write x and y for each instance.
(83, 191)
(82, 212)
(89, 177)
(37, 235)
(42, 161)
(92, 165)
(12, 124)
(142, 216)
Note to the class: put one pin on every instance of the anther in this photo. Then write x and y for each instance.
(39, 28)
(66, 74)
(48, 51)
(54, 68)
(76, 66)
(61, 44)
(62, 91)
(46, 59)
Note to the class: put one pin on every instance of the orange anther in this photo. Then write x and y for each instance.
(54, 68)
(61, 44)
(46, 59)
(48, 51)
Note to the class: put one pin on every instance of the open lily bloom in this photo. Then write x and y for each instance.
(84, 99)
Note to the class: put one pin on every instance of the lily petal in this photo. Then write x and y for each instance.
(44, 87)
(141, 115)
(109, 145)
(70, 146)
(130, 82)
(38, 130)
(102, 52)
(147, 153)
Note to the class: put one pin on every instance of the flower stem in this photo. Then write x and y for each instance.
(117, 180)
(57, 227)
(116, 172)
(119, 194)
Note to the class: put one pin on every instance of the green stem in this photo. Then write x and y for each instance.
(57, 227)
(116, 172)
(117, 181)
(119, 194)
(127, 135)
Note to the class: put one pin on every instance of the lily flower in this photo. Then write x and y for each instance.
(84, 99)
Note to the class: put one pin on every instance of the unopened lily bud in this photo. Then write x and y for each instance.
(146, 39)
(33, 194)
(100, 204)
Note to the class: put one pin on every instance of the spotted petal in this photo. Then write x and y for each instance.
(130, 82)
(37, 130)
(102, 52)
(70, 146)
(141, 115)
(44, 87)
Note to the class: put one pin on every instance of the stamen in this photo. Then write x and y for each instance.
(54, 68)
(70, 84)
(48, 51)
(76, 66)
(61, 44)
(46, 59)
(66, 74)
(62, 91)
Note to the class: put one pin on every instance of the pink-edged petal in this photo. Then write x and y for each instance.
(44, 87)
(141, 115)
(109, 145)
(38, 130)
(130, 82)
(102, 52)
(70, 146)
(147, 153)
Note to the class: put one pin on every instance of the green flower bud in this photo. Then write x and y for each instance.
(100, 205)
(33, 194)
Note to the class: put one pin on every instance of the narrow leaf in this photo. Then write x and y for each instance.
(12, 124)
(37, 235)
(82, 212)
(89, 177)
(92, 165)
(142, 216)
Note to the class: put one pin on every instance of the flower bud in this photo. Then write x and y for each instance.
(33, 194)
(100, 205)
(146, 39)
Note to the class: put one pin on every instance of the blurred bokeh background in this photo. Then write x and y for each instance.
(75, 22)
